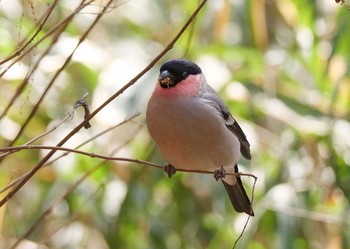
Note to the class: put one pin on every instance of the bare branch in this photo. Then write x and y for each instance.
(66, 153)
(88, 201)
(64, 195)
(248, 218)
(82, 102)
(21, 53)
(96, 136)
(57, 31)
(76, 129)
(29, 41)
(52, 81)
(306, 214)
(110, 158)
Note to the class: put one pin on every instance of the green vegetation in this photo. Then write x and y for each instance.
(281, 66)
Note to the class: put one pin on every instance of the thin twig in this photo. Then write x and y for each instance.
(306, 214)
(95, 136)
(82, 102)
(110, 158)
(25, 81)
(74, 216)
(64, 195)
(76, 129)
(42, 162)
(48, 210)
(50, 84)
(69, 115)
(37, 31)
(22, 53)
(41, 135)
(248, 218)
(189, 39)
(14, 182)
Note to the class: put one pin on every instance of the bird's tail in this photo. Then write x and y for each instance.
(237, 194)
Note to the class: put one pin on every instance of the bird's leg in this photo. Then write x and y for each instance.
(219, 173)
(170, 170)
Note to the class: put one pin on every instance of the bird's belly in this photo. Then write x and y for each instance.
(192, 135)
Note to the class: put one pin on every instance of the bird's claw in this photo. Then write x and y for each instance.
(219, 173)
(170, 170)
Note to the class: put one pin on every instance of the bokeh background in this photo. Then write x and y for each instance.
(282, 67)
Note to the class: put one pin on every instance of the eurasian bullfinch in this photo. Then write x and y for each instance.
(194, 130)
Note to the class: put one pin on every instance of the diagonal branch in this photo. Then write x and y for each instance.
(58, 29)
(10, 151)
(63, 196)
(24, 44)
(24, 50)
(77, 128)
(52, 81)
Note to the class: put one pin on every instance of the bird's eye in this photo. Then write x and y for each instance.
(184, 74)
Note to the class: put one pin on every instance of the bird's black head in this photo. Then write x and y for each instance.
(176, 70)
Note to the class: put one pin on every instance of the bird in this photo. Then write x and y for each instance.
(193, 128)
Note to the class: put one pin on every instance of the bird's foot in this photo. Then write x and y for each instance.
(219, 173)
(170, 170)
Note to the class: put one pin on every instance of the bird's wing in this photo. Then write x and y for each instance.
(211, 97)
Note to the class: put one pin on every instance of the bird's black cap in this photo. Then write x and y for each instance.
(176, 70)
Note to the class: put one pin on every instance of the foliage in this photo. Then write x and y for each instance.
(281, 66)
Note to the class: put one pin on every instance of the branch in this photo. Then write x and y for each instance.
(305, 214)
(248, 218)
(56, 31)
(21, 53)
(30, 40)
(63, 196)
(77, 128)
(89, 172)
(70, 114)
(110, 158)
(52, 81)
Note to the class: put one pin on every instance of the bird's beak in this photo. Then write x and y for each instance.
(166, 79)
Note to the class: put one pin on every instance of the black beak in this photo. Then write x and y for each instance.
(166, 79)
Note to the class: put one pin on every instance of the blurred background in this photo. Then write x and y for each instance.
(283, 69)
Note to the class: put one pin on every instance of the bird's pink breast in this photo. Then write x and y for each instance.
(188, 87)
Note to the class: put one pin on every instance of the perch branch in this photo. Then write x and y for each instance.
(77, 128)
(110, 158)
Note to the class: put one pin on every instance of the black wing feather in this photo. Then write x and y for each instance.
(232, 124)
(210, 95)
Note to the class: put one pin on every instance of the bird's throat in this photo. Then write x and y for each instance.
(190, 86)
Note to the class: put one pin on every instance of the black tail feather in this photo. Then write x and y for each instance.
(238, 196)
